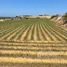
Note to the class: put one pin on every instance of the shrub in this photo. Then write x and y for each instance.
(53, 16)
(65, 16)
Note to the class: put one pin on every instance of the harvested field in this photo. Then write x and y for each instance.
(32, 43)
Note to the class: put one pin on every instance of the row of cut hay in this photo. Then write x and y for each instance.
(63, 28)
(34, 56)
(47, 36)
(39, 36)
(9, 33)
(35, 33)
(16, 55)
(7, 28)
(53, 32)
(42, 33)
(64, 32)
(34, 48)
(6, 32)
(15, 38)
(21, 33)
(60, 31)
(13, 34)
(29, 60)
(50, 33)
(24, 34)
(30, 33)
(57, 34)
(32, 52)
(38, 43)
(27, 34)
(34, 45)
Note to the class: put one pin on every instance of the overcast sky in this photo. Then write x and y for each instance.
(32, 7)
